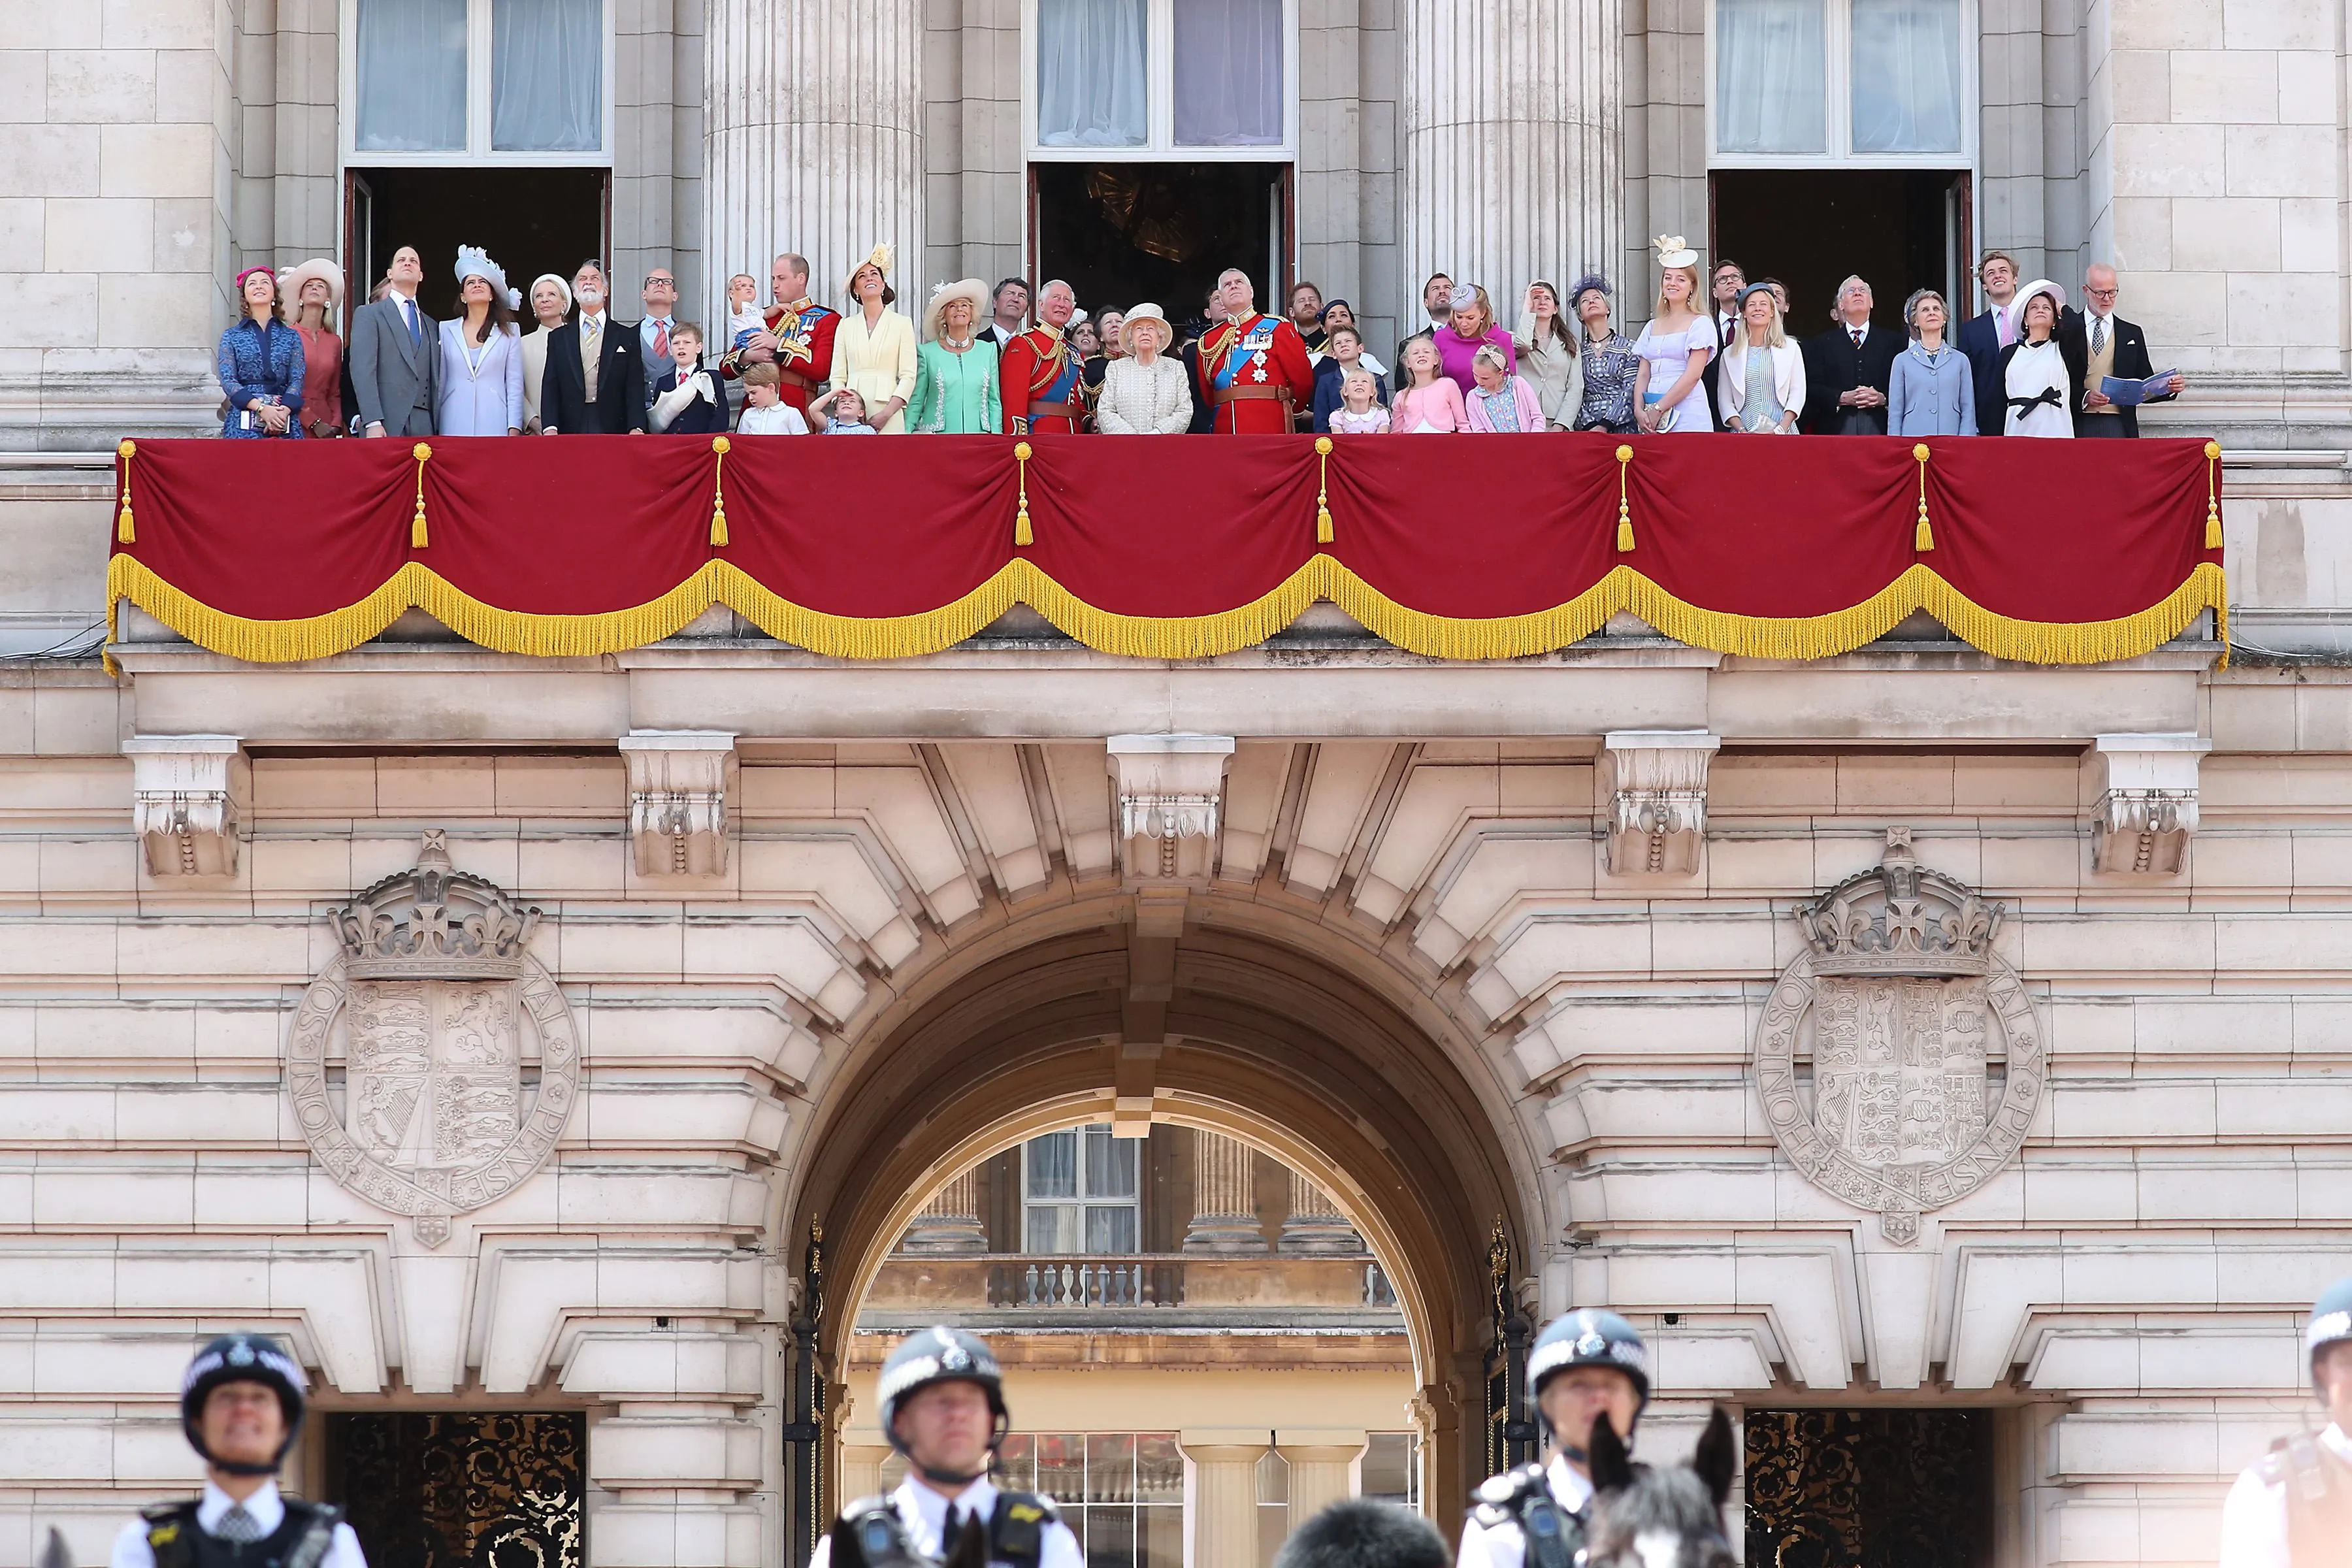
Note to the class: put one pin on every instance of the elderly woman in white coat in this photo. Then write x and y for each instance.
(1761, 389)
(550, 302)
(1145, 392)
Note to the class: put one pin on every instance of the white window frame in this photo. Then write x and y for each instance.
(1159, 67)
(1838, 40)
(476, 153)
(1083, 1200)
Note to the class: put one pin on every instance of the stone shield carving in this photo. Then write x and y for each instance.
(433, 1008)
(1925, 1059)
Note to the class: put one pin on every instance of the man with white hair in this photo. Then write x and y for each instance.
(1253, 370)
(2098, 343)
(1848, 368)
(1041, 376)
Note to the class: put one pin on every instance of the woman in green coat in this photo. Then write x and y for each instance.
(956, 391)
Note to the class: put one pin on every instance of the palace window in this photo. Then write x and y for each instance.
(1080, 1192)
(1871, 81)
(450, 80)
(1196, 78)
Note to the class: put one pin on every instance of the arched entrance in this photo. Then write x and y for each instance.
(1271, 1031)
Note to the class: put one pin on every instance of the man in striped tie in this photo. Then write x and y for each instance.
(240, 1406)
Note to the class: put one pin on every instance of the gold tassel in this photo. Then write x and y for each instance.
(1624, 507)
(1323, 490)
(124, 532)
(2212, 495)
(416, 536)
(1021, 533)
(1923, 538)
(720, 446)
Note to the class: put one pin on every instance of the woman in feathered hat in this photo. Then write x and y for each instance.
(479, 389)
(1674, 348)
(874, 350)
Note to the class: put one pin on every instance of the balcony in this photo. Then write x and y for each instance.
(1029, 1293)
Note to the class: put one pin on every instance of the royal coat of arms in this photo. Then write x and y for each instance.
(439, 1018)
(1925, 1062)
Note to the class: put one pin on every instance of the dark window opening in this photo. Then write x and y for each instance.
(463, 1490)
(1876, 1488)
(530, 220)
(1123, 233)
(1897, 229)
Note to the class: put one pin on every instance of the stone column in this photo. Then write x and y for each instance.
(1224, 1493)
(1513, 110)
(814, 141)
(951, 1221)
(860, 1475)
(1225, 1198)
(1322, 1467)
(1315, 1224)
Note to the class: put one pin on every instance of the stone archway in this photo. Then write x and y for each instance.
(1270, 1037)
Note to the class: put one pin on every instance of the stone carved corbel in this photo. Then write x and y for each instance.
(677, 800)
(1171, 793)
(180, 804)
(2146, 810)
(1653, 787)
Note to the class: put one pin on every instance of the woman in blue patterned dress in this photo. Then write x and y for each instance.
(261, 365)
(1610, 362)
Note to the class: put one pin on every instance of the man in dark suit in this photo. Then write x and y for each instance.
(395, 348)
(595, 382)
(2097, 343)
(1847, 369)
(1982, 337)
(1730, 277)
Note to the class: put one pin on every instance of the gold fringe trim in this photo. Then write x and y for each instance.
(563, 637)
(2083, 642)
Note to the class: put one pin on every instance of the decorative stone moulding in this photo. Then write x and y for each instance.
(181, 807)
(1926, 1058)
(2146, 810)
(432, 1008)
(1171, 796)
(677, 800)
(1653, 785)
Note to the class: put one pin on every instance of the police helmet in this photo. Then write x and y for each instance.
(242, 1358)
(941, 1354)
(1589, 1336)
(2331, 1323)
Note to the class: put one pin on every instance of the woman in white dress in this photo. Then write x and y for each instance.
(1143, 392)
(873, 349)
(1668, 394)
(479, 390)
(551, 301)
(2034, 374)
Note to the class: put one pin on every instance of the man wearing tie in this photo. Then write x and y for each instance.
(2098, 343)
(1730, 277)
(1983, 337)
(595, 377)
(655, 359)
(1848, 367)
(394, 352)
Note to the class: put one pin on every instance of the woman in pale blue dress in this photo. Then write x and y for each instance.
(479, 390)
(1674, 348)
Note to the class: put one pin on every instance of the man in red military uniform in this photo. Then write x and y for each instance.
(799, 337)
(1041, 377)
(1254, 369)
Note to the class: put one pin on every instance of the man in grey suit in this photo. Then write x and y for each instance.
(394, 349)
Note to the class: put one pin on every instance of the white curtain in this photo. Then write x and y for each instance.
(1228, 73)
(411, 75)
(1770, 84)
(1907, 76)
(547, 86)
(1092, 89)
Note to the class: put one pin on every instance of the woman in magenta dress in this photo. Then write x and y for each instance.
(1470, 327)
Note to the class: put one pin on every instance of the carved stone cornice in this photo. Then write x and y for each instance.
(677, 799)
(2146, 810)
(1171, 796)
(183, 809)
(1654, 788)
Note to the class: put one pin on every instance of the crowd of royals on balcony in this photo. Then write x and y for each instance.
(978, 362)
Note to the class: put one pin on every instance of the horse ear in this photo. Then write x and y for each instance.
(1715, 1461)
(1613, 1470)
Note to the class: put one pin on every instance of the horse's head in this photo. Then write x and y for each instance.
(1644, 1517)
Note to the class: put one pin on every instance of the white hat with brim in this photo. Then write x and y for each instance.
(290, 281)
(1672, 252)
(966, 288)
(1145, 312)
(2017, 306)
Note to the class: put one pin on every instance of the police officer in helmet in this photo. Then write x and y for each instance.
(942, 1398)
(1587, 1366)
(2292, 1507)
(241, 1406)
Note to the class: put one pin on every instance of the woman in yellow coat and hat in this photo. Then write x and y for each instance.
(874, 350)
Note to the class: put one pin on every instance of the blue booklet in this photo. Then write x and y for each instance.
(2128, 394)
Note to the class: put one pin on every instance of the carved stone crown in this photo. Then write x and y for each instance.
(1897, 918)
(433, 922)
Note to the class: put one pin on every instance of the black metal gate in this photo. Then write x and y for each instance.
(1869, 1488)
(1510, 1435)
(463, 1490)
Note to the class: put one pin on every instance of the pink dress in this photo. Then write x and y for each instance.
(1455, 351)
(1424, 410)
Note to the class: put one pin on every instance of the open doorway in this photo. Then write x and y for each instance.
(1899, 229)
(1120, 232)
(530, 220)
(1890, 1485)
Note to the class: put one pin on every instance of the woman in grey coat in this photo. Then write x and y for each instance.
(1933, 389)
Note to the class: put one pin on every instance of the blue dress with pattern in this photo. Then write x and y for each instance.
(254, 362)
